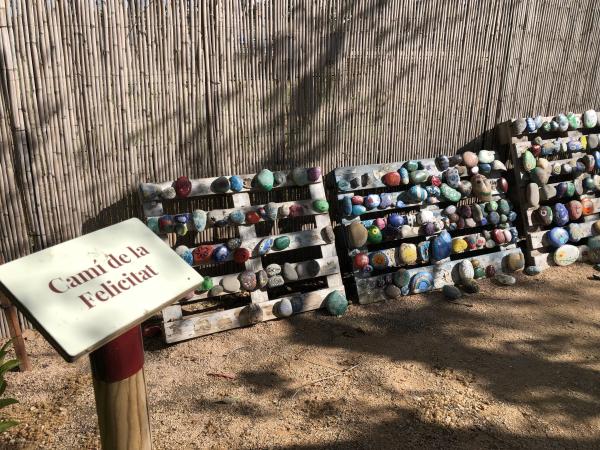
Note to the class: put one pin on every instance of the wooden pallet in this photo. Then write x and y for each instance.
(367, 180)
(538, 251)
(204, 313)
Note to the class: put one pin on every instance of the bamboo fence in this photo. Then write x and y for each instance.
(100, 95)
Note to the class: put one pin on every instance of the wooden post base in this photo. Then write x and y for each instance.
(120, 391)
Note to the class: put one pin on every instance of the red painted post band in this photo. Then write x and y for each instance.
(120, 358)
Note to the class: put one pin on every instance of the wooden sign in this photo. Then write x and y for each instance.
(85, 292)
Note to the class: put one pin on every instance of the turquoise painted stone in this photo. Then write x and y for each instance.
(344, 185)
(486, 156)
(199, 218)
(336, 303)
(265, 179)
(264, 246)
(300, 177)
(220, 253)
(357, 210)
(220, 185)
(419, 176)
(237, 217)
(401, 278)
(185, 254)
(421, 282)
(321, 205)
(411, 166)
(562, 122)
(566, 255)
(404, 176)
(449, 194)
(282, 242)
(528, 161)
(416, 194)
(152, 223)
(236, 183)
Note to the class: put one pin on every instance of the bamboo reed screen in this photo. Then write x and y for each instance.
(100, 95)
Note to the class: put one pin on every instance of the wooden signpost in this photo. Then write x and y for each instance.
(88, 296)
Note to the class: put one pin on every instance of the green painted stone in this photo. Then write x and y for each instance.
(265, 179)
(281, 242)
(528, 161)
(401, 278)
(450, 194)
(479, 272)
(503, 207)
(321, 205)
(207, 284)
(336, 303)
(419, 176)
(574, 121)
(374, 235)
(492, 205)
(411, 166)
(570, 189)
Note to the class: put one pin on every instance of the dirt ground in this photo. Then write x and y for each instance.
(511, 367)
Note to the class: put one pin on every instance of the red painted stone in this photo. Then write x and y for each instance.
(202, 254)
(502, 185)
(536, 150)
(391, 179)
(498, 236)
(296, 210)
(490, 271)
(241, 255)
(357, 200)
(361, 260)
(252, 217)
(435, 181)
(587, 206)
(183, 187)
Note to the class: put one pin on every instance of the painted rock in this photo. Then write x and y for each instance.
(544, 164)
(237, 217)
(465, 211)
(452, 177)
(207, 284)
(202, 254)
(459, 245)
(395, 220)
(392, 291)
(442, 162)
(220, 185)
(562, 121)
(465, 270)
(282, 242)
(455, 160)
(484, 168)
(379, 260)
(265, 179)
(561, 215)
(300, 176)
(505, 280)
(486, 156)
(374, 235)
(234, 243)
(411, 166)
(492, 205)
(490, 271)
(576, 232)
(539, 176)
(450, 194)
(361, 261)
(565, 255)
(248, 280)
(429, 229)
(313, 174)
(435, 181)
(532, 270)
(557, 237)
(451, 292)
(408, 253)
(216, 291)
(481, 188)
(357, 200)
(401, 278)
(345, 185)
(241, 255)
(425, 216)
(199, 218)
(372, 201)
(276, 281)
(357, 210)
(289, 272)
(544, 215)
(499, 165)
(183, 187)
(419, 176)
(560, 190)
(357, 235)
(152, 223)
(392, 179)
(252, 217)
(166, 224)
(230, 283)
(575, 209)
(503, 206)
(271, 211)
(528, 161)
(465, 188)
(498, 236)
(470, 159)
(385, 200)
(594, 249)
(284, 308)
(404, 177)
(593, 140)
(336, 303)
(433, 192)
(493, 218)
(423, 250)
(264, 246)
(574, 121)
(320, 205)
(587, 206)
(185, 253)
(518, 126)
(514, 261)
(417, 194)
(236, 183)
(530, 125)
(596, 227)
(588, 184)
(441, 246)
(421, 282)
(220, 253)
(479, 273)
(273, 269)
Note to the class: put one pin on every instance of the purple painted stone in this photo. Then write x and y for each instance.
(561, 214)
(314, 173)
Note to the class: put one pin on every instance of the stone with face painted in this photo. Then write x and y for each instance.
(481, 187)
(575, 209)
(543, 215)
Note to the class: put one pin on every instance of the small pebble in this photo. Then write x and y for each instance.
(506, 280)
(470, 287)
(451, 292)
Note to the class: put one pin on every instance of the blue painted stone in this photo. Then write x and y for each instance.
(357, 210)
(573, 146)
(264, 246)
(442, 162)
(236, 183)
(404, 177)
(597, 158)
(441, 246)
(483, 222)
(347, 206)
(417, 194)
(185, 254)
(579, 168)
(237, 217)
(271, 210)
(561, 214)
(372, 201)
(395, 220)
(530, 125)
(588, 183)
(512, 216)
(220, 253)
(485, 168)
(561, 189)
(367, 223)
(493, 218)
(563, 122)
(452, 177)
(199, 218)
(421, 282)
(557, 236)
(400, 204)
(433, 191)
(385, 200)
(181, 218)
(423, 250)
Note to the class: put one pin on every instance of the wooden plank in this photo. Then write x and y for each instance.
(530, 211)
(202, 324)
(369, 292)
(537, 239)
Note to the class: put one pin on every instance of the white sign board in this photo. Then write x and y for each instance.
(85, 292)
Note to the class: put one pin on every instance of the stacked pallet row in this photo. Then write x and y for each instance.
(556, 161)
(415, 226)
(235, 248)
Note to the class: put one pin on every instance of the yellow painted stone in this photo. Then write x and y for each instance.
(408, 253)
(583, 141)
(459, 245)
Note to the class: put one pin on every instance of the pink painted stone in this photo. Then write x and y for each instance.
(314, 173)
(498, 236)
(380, 223)
(357, 200)
(183, 187)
